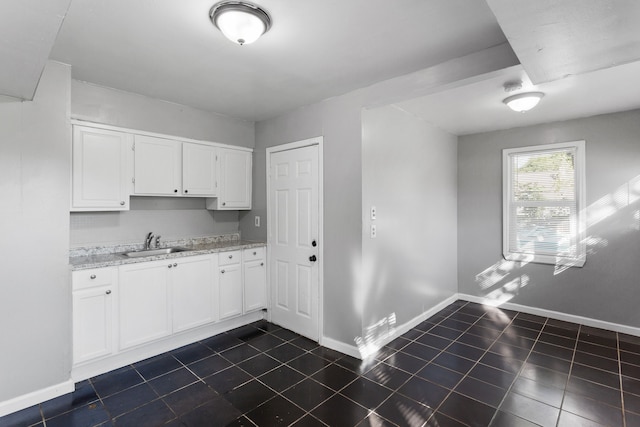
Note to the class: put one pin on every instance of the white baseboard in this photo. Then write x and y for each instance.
(348, 349)
(558, 315)
(27, 400)
(87, 370)
(354, 351)
(109, 363)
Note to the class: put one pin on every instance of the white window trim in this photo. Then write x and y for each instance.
(580, 166)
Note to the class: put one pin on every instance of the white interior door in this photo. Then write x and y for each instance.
(294, 239)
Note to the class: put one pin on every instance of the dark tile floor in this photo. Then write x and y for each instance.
(469, 365)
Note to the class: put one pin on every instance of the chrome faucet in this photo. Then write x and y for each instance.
(147, 241)
(158, 241)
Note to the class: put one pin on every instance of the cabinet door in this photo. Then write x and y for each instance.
(235, 179)
(101, 173)
(144, 308)
(192, 282)
(199, 177)
(92, 323)
(255, 285)
(230, 290)
(158, 166)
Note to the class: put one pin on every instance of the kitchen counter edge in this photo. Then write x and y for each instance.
(116, 259)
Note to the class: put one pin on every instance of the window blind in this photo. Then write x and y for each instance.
(543, 203)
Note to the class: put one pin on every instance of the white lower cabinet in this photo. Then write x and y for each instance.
(192, 283)
(93, 313)
(230, 284)
(255, 279)
(145, 309)
(118, 309)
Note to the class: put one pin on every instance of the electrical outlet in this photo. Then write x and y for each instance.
(257, 221)
(373, 213)
(373, 231)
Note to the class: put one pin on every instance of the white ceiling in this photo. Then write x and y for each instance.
(554, 39)
(316, 49)
(28, 29)
(478, 107)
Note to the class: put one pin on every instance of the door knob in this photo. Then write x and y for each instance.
(314, 244)
(313, 258)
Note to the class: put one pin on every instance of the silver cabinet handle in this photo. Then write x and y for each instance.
(108, 292)
(261, 264)
(122, 203)
(170, 265)
(255, 253)
(175, 264)
(230, 256)
(224, 203)
(93, 276)
(222, 271)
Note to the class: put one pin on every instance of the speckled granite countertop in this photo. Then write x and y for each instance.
(109, 256)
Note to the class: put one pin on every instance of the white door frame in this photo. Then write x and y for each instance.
(319, 141)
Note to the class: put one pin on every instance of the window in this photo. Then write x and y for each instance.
(543, 204)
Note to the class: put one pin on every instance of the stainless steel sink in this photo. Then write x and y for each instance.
(153, 252)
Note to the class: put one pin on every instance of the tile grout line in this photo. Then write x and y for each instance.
(566, 384)
(465, 375)
(517, 374)
(624, 414)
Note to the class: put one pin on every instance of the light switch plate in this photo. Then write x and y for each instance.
(257, 221)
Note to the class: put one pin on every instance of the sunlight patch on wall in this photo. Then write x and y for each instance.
(375, 336)
(501, 269)
(600, 210)
(507, 291)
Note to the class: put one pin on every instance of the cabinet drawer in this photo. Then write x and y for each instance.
(231, 257)
(253, 254)
(83, 279)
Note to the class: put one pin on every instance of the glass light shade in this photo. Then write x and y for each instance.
(240, 22)
(523, 101)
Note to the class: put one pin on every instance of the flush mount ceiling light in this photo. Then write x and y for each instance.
(524, 101)
(521, 102)
(240, 22)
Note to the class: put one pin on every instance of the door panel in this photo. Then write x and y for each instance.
(293, 217)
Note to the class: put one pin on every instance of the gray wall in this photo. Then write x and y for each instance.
(113, 107)
(35, 306)
(339, 121)
(606, 287)
(172, 218)
(409, 173)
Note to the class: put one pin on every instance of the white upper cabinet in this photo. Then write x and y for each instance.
(101, 164)
(158, 166)
(199, 170)
(111, 164)
(235, 180)
(165, 167)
